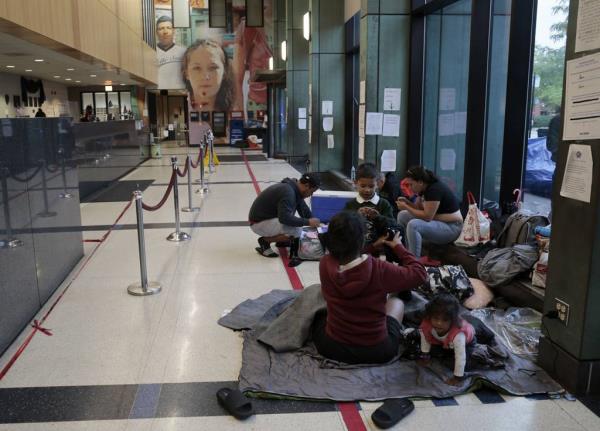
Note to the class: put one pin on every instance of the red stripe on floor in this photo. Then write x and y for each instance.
(349, 412)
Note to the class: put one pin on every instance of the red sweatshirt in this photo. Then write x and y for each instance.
(356, 297)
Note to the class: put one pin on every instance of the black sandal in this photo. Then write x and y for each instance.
(235, 403)
(392, 411)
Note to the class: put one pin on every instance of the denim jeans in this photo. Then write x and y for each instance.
(436, 232)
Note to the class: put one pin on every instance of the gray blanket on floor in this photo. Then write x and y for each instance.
(277, 360)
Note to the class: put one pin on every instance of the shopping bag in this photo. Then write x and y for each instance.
(476, 228)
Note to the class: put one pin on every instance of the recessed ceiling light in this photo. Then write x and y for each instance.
(77, 81)
(10, 66)
(28, 70)
(92, 76)
(67, 79)
(70, 69)
(38, 60)
(121, 84)
(57, 76)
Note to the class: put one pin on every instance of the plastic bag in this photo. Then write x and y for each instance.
(517, 328)
(310, 247)
(476, 228)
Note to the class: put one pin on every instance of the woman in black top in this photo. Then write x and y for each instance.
(435, 215)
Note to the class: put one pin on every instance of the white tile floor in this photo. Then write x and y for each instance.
(102, 335)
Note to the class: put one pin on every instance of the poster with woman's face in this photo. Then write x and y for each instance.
(215, 66)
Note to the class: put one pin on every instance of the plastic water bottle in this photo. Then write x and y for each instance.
(544, 231)
(353, 174)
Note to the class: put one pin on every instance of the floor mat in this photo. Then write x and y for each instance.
(236, 158)
(305, 374)
(119, 192)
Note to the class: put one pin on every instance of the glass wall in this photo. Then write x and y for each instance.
(446, 92)
(545, 124)
(500, 32)
(112, 105)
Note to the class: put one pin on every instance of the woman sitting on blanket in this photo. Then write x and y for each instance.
(362, 325)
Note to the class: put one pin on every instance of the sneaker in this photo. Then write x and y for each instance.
(264, 248)
(294, 261)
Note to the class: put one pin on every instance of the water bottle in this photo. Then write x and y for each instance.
(353, 174)
(544, 231)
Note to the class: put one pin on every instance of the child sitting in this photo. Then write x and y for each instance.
(442, 326)
(362, 324)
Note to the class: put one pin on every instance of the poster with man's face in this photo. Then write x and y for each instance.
(215, 66)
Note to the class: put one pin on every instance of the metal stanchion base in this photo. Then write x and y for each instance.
(65, 195)
(47, 214)
(10, 243)
(136, 289)
(177, 237)
(190, 210)
(203, 190)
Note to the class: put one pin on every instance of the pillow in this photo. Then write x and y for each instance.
(481, 297)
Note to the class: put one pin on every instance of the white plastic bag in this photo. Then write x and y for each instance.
(476, 228)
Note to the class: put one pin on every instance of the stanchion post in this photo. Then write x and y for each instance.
(177, 236)
(211, 153)
(190, 207)
(143, 288)
(203, 185)
(9, 241)
(46, 212)
(64, 194)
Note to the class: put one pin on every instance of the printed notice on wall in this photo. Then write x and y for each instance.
(374, 123)
(363, 90)
(460, 123)
(361, 147)
(577, 182)
(327, 124)
(388, 161)
(391, 99)
(588, 26)
(447, 159)
(301, 123)
(446, 124)
(327, 107)
(301, 112)
(391, 125)
(330, 142)
(582, 98)
(447, 99)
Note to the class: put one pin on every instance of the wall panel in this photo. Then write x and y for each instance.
(150, 68)
(99, 31)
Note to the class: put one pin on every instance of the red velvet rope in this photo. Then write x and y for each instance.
(164, 199)
(184, 173)
(195, 165)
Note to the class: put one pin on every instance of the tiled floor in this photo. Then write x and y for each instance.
(118, 362)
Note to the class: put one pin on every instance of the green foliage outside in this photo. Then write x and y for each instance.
(549, 64)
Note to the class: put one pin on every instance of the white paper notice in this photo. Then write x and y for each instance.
(582, 99)
(361, 120)
(361, 147)
(447, 159)
(327, 124)
(330, 142)
(388, 161)
(577, 182)
(588, 27)
(302, 123)
(363, 90)
(391, 125)
(374, 123)
(391, 99)
(460, 123)
(447, 99)
(327, 107)
(171, 127)
(301, 112)
(446, 124)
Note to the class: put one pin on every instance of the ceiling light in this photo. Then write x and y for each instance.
(108, 88)
(57, 76)
(270, 63)
(38, 60)
(121, 84)
(10, 66)
(77, 81)
(284, 50)
(28, 70)
(70, 69)
(92, 76)
(306, 26)
(67, 79)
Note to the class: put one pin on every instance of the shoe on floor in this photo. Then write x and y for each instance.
(391, 412)
(294, 261)
(264, 248)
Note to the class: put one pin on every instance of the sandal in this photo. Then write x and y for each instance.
(392, 411)
(235, 403)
